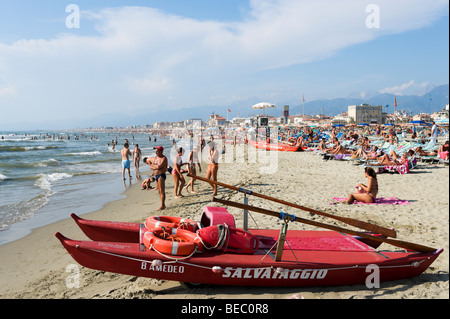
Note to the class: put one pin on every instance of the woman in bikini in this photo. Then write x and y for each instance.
(370, 191)
(178, 177)
(213, 167)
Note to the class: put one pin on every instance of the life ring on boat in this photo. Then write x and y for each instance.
(172, 241)
(154, 222)
(299, 141)
(292, 140)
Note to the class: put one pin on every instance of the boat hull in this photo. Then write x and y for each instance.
(310, 258)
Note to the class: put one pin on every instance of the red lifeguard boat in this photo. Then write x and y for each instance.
(308, 258)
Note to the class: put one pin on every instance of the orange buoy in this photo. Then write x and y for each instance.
(172, 241)
(155, 222)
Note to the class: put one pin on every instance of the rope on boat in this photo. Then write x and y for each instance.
(178, 260)
(224, 238)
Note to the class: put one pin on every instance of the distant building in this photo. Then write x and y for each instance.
(366, 113)
(341, 119)
(422, 117)
(215, 120)
(193, 124)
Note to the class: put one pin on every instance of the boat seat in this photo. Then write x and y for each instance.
(216, 215)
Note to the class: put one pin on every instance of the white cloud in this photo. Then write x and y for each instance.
(148, 85)
(409, 88)
(145, 50)
(7, 91)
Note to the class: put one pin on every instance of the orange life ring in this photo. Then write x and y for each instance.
(154, 222)
(292, 140)
(172, 241)
(299, 141)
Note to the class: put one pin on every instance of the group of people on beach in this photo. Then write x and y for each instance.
(360, 148)
(160, 165)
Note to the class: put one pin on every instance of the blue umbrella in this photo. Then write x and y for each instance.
(363, 124)
(338, 125)
(419, 122)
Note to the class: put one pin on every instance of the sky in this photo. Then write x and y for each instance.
(75, 60)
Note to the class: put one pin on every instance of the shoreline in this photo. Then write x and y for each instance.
(49, 214)
(35, 266)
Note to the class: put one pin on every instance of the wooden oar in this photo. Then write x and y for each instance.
(350, 221)
(394, 242)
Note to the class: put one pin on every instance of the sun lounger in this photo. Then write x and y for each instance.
(429, 159)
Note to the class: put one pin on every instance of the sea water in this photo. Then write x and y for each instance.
(45, 176)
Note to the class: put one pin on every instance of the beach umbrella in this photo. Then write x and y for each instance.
(338, 125)
(263, 105)
(419, 122)
(363, 124)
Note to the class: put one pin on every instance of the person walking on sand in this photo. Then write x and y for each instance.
(125, 153)
(136, 158)
(159, 166)
(177, 173)
(192, 160)
(434, 133)
(213, 167)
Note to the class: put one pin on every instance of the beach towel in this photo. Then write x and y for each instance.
(341, 156)
(443, 155)
(401, 169)
(379, 201)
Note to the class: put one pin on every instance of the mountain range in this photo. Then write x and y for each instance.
(410, 103)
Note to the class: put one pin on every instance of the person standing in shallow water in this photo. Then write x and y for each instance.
(136, 158)
(125, 153)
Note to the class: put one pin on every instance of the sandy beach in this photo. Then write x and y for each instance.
(37, 266)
